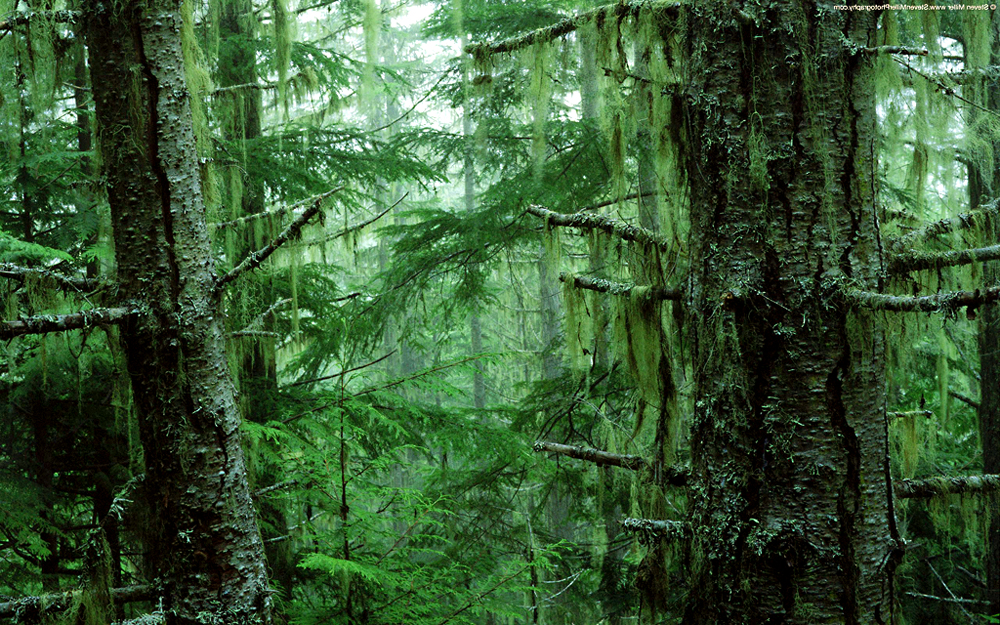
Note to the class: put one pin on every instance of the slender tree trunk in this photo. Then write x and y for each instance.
(791, 510)
(204, 543)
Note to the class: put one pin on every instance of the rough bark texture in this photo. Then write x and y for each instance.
(203, 541)
(791, 510)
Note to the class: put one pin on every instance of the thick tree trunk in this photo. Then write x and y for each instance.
(791, 496)
(203, 544)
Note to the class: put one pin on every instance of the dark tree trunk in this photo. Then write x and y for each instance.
(204, 544)
(791, 496)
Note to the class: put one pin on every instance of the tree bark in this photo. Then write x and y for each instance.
(203, 541)
(792, 513)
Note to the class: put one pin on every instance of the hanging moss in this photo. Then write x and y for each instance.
(909, 445)
(282, 23)
(578, 321)
(536, 59)
(372, 26)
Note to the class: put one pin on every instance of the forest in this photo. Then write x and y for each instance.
(496, 312)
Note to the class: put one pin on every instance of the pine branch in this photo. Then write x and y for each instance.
(16, 272)
(340, 373)
(56, 602)
(585, 221)
(913, 489)
(44, 324)
(543, 35)
(948, 302)
(913, 260)
(255, 259)
(958, 222)
(652, 530)
(633, 463)
(618, 288)
(355, 227)
(911, 413)
(275, 212)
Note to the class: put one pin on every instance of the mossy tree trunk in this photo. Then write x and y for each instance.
(791, 509)
(204, 543)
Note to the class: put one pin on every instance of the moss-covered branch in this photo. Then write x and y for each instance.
(962, 221)
(609, 225)
(28, 609)
(44, 324)
(651, 530)
(618, 11)
(617, 288)
(914, 260)
(16, 272)
(948, 302)
(19, 19)
(912, 489)
(255, 259)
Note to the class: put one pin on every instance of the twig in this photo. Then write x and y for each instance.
(948, 599)
(340, 373)
(962, 398)
(483, 594)
(275, 212)
(357, 226)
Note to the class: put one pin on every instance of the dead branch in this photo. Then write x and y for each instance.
(618, 288)
(921, 595)
(255, 259)
(44, 324)
(273, 487)
(59, 601)
(585, 221)
(935, 486)
(620, 11)
(948, 302)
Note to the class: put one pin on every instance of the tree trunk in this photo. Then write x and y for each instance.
(203, 540)
(792, 512)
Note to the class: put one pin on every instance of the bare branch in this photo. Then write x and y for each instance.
(56, 602)
(275, 212)
(912, 413)
(340, 373)
(633, 463)
(948, 302)
(652, 530)
(618, 228)
(912, 489)
(618, 288)
(273, 487)
(44, 324)
(255, 259)
(16, 272)
(921, 595)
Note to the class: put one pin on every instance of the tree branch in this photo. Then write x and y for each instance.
(633, 463)
(941, 302)
(59, 601)
(620, 11)
(913, 260)
(912, 413)
(962, 398)
(921, 595)
(16, 272)
(276, 211)
(43, 324)
(913, 489)
(620, 229)
(20, 19)
(357, 226)
(618, 288)
(959, 222)
(651, 530)
(255, 259)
